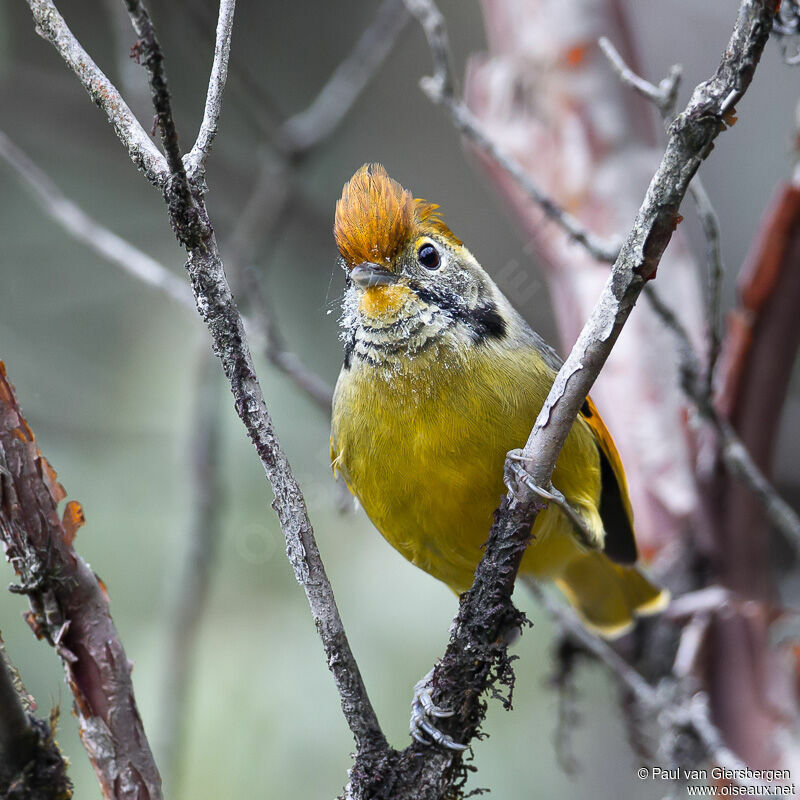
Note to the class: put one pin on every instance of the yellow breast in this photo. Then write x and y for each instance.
(422, 446)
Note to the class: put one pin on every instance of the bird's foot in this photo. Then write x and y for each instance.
(423, 713)
(517, 474)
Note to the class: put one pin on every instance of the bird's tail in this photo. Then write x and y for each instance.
(607, 596)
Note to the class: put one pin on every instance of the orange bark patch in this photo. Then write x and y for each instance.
(72, 520)
(575, 55)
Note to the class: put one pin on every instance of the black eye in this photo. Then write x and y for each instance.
(428, 256)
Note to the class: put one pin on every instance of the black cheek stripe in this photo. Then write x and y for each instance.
(485, 321)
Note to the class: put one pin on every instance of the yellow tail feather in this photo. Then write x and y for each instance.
(608, 596)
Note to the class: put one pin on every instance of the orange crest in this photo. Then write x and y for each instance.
(376, 217)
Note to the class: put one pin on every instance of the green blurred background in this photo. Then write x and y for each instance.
(106, 369)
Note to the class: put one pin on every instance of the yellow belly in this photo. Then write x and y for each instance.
(424, 450)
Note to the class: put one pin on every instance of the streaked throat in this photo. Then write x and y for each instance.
(390, 327)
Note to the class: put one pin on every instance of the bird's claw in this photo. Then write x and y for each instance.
(516, 474)
(424, 711)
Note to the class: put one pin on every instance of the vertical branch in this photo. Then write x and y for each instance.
(310, 127)
(144, 154)
(760, 346)
(17, 736)
(196, 159)
(69, 609)
(189, 591)
(31, 765)
(761, 343)
(215, 303)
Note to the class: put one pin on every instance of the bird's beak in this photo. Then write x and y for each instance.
(368, 274)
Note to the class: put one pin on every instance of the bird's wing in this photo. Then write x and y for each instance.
(615, 504)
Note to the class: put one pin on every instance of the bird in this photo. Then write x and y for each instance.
(441, 378)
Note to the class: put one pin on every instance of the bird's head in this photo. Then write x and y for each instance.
(410, 279)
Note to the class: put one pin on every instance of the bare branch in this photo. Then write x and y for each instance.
(257, 222)
(665, 703)
(17, 736)
(740, 463)
(50, 25)
(148, 50)
(195, 161)
(189, 594)
(734, 453)
(665, 96)
(439, 89)
(566, 621)
(308, 128)
(716, 271)
(277, 351)
(31, 764)
(78, 224)
(69, 609)
(83, 228)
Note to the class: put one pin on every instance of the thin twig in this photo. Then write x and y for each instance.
(568, 622)
(79, 225)
(440, 89)
(87, 230)
(50, 25)
(715, 271)
(734, 453)
(664, 96)
(149, 51)
(195, 161)
(669, 710)
(258, 222)
(277, 350)
(740, 463)
(310, 127)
